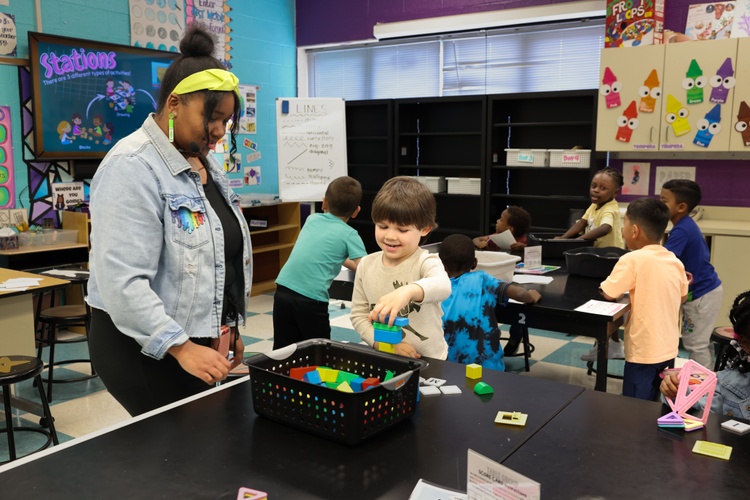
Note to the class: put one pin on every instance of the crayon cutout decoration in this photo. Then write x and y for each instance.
(722, 82)
(694, 82)
(743, 123)
(610, 89)
(677, 116)
(627, 123)
(649, 93)
(708, 127)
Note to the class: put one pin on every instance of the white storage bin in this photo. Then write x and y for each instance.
(464, 185)
(48, 237)
(576, 158)
(434, 184)
(527, 157)
(499, 264)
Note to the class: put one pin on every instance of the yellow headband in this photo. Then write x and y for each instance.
(209, 79)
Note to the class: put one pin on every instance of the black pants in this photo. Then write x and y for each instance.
(138, 382)
(297, 318)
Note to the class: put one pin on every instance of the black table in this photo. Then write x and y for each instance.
(210, 447)
(608, 446)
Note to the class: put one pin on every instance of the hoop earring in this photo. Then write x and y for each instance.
(171, 127)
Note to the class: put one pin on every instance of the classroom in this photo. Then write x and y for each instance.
(558, 107)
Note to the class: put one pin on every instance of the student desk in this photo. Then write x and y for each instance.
(211, 446)
(556, 312)
(57, 254)
(607, 446)
(17, 320)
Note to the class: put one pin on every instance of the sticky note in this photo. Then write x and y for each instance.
(715, 450)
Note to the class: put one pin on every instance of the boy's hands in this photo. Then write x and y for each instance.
(669, 385)
(404, 349)
(391, 303)
(480, 242)
(535, 296)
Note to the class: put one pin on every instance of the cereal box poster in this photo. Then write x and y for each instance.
(631, 23)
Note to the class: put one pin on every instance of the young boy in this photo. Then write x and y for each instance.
(469, 321)
(658, 285)
(402, 279)
(300, 304)
(513, 218)
(686, 241)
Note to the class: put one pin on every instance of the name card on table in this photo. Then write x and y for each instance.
(488, 479)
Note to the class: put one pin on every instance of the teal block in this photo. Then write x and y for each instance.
(389, 337)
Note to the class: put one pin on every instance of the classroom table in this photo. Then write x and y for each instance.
(57, 254)
(210, 447)
(608, 446)
(555, 312)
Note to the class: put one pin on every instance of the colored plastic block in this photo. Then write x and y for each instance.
(735, 427)
(429, 390)
(370, 382)
(473, 371)
(670, 420)
(332, 385)
(328, 374)
(356, 384)
(399, 321)
(437, 382)
(313, 377)
(346, 376)
(386, 347)
(388, 336)
(299, 371)
(693, 425)
(385, 327)
(483, 388)
(250, 494)
(388, 375)
(344, 387)
(712, 449)
(511, 418)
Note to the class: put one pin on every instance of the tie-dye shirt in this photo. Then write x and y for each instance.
(469, 321)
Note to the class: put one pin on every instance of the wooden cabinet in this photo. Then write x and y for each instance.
(551, 120)
(446, 137)
(272, 244)
(369, 151)
(738, 121)
(630, 89)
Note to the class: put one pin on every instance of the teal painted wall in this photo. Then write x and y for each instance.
(263, 53)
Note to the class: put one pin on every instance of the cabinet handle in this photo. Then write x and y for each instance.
(651, 135)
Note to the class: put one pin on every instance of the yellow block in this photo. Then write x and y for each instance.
(344, 387)
(385, 347)
(328, 375)
(474, 371)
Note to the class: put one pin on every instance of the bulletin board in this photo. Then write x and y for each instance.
(311, 143)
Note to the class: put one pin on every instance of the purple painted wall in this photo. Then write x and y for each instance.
(724, 182)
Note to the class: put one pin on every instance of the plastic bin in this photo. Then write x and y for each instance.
(527, 157)
(48, 237)
(499, 264)
(434, 184)
(344, 417)
(592, 262)
(464, 185)
(552, 248)
(575, 158)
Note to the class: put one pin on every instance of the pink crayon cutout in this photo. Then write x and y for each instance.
(611, 93)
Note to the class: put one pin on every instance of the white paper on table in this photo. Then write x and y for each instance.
(487, 479)
(504, 240)
(21, 282)
(532, 278)
(66, 273)
(600, 307)
(428, 491)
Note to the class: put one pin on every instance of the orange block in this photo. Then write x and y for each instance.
(299, 371)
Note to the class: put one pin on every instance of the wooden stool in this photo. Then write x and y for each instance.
(14, 369)
(721, 337)
(50, 320)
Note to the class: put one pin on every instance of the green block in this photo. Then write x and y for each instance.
(483, 388)
(388, 375)
(346, 376)
(384, 326)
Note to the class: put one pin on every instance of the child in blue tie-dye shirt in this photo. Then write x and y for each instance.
(469, 322)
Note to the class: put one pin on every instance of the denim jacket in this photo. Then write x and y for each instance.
(732, 396)
(157, 250)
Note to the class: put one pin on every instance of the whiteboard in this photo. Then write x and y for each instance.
(311, 143)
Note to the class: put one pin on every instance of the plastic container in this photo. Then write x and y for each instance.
(527, 157)
(434, 184)
(344, 417)
(48, 237)
(9, 242)
(464, 185)
(575, 158)
(552, 248)
(592, 262)
(499, 264)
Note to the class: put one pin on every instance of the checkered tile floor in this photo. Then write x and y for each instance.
(80, 408)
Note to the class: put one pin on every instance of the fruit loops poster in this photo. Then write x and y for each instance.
(631, 23)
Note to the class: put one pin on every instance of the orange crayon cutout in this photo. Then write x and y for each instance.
(648, 101)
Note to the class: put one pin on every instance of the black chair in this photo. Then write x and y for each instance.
(518, 338)
(722, 336)
(14, 369)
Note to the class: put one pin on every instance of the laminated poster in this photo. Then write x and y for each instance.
(157, 25)
(636, 176)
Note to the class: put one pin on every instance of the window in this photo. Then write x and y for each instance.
(562, 56)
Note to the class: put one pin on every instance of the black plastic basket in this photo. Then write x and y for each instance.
(552, 248)
(593, 262)
(345, 417)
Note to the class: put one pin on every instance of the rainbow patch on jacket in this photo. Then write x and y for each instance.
(187, 220)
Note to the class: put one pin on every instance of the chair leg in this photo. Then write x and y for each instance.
(9, 423)
(47, 411)
(526, 346)
(52, 332)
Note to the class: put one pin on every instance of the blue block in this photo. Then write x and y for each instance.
(387, 337)
(356, 384)
(312, 377)
(399, 321)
